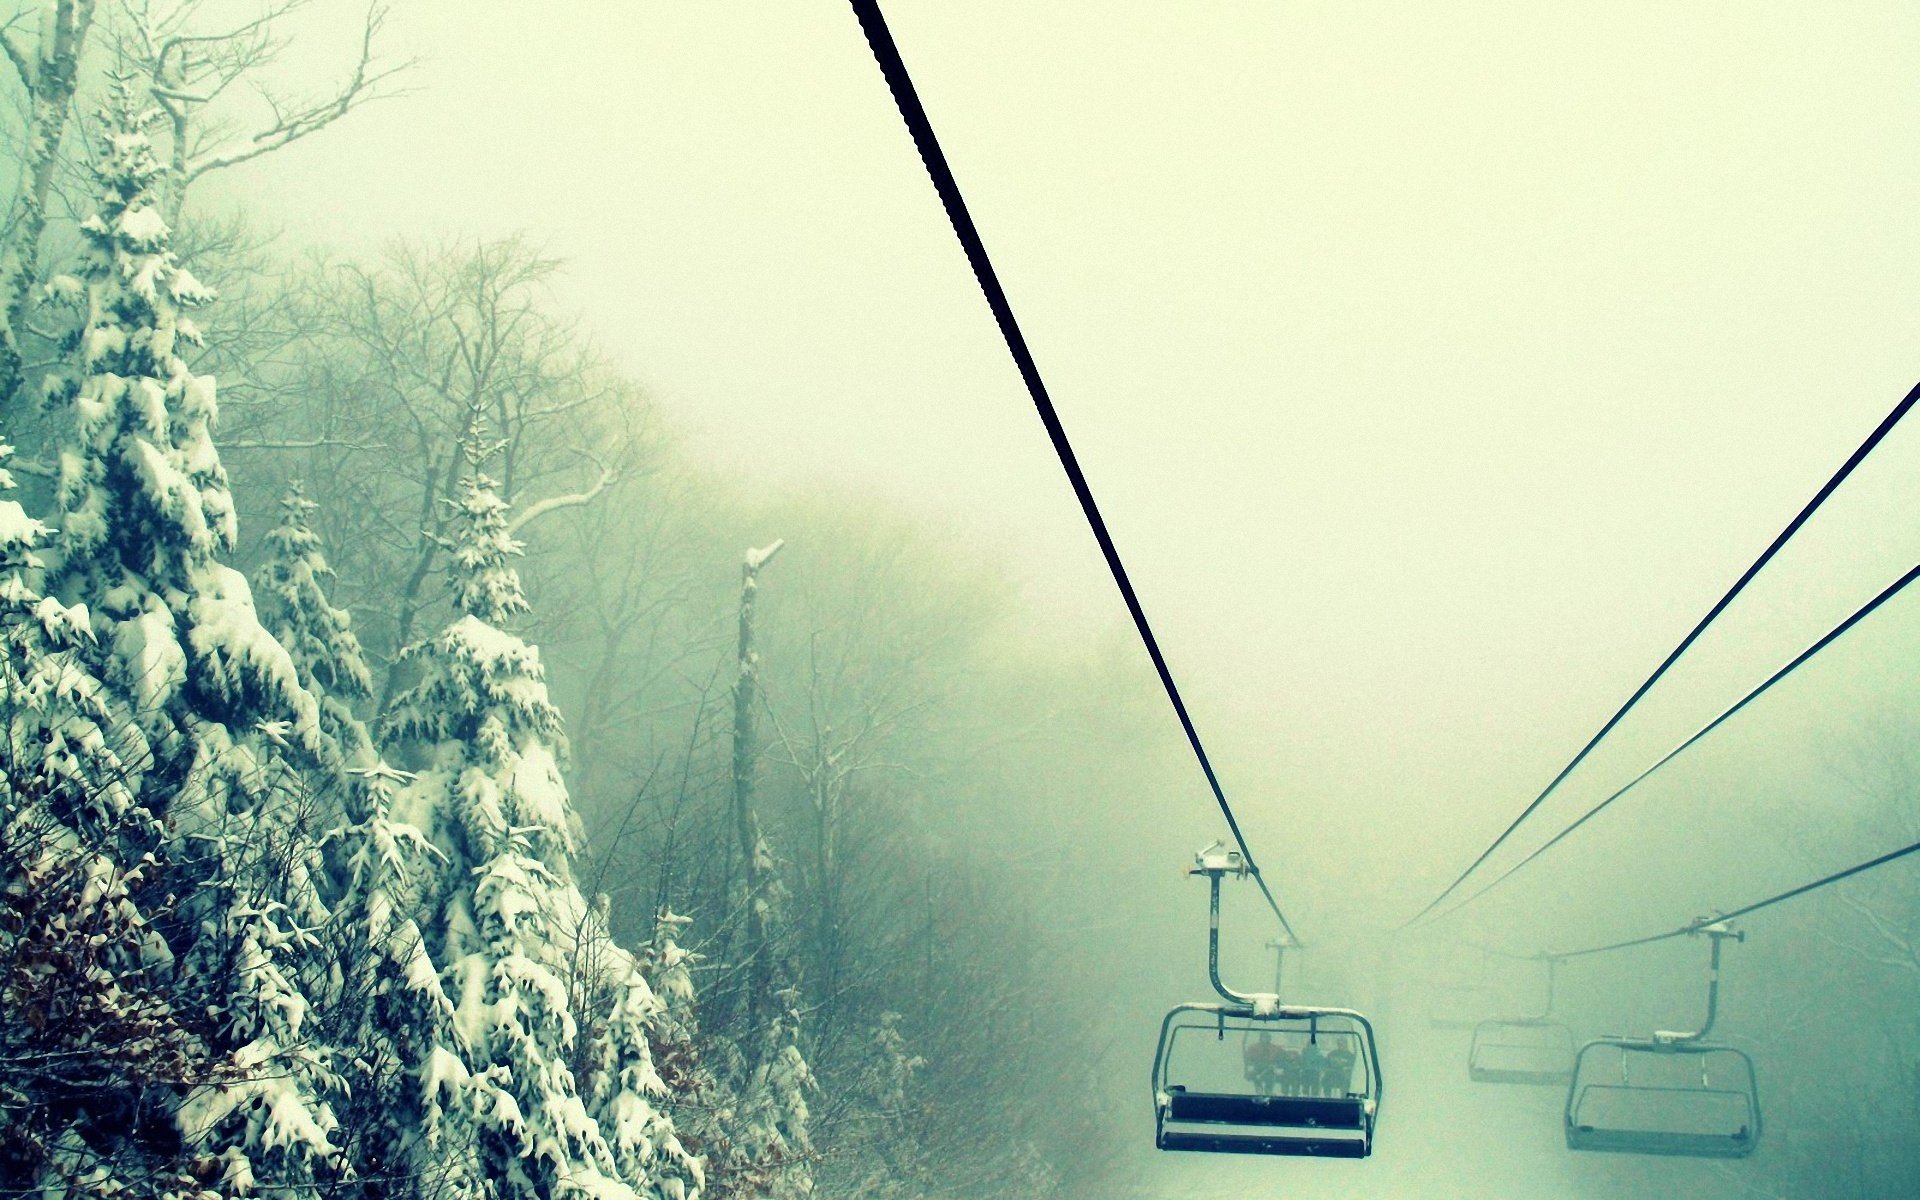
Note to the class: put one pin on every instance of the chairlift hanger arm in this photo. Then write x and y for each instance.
(1717, 930)
(887, 55)
(1553, 976)
(1552, 962)
(1216, 865)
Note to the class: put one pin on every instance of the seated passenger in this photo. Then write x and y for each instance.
(1260, 1057)
(1313, 1062)
(1288, 1064)
(1337, 1077)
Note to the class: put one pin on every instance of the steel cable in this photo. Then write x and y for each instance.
(887, 55)
(1799, 660)
(1854, 460)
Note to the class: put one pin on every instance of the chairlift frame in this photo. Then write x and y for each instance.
(1690, 1046)
(1249, 1122)
(1493, 1037)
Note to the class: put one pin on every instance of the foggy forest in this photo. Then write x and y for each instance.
(549, 656)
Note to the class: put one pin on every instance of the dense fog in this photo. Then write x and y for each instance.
(549, 655)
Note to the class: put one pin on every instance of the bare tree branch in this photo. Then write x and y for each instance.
(18, 58)
(291, 122)
(187, 69)
(296, 444)
(540, 508)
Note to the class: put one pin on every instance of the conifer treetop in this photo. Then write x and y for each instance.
(290, 586)
(487, 586)
(141, 486)
(144, 509)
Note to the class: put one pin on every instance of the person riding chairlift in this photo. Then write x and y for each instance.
(1261, 1058)
(1337, 1076)
(1313, 1069)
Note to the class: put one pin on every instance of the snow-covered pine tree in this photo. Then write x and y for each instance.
(290, 587)
(83, 976)
(619, 1077)
(772, 1117)
(408, 1119)
(893, 1161)
(145, 516)
(403, 1109)
(511, 924)
(696, 1098)
(757, 1135)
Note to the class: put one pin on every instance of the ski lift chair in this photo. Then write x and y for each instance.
(1318, 1096)
(1254, 1076)
(1653, 1096)
(1669, 1094)
(1527, 1050)
(1534, 1050)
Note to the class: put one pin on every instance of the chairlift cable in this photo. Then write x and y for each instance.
(1889, 592)
(1629, 943)
(1700, 923)
(1836, 877)
(1854, 460)
(1496, 952)
(887, 55)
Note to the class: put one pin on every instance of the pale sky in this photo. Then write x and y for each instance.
(1436, 364)
(1408, 346)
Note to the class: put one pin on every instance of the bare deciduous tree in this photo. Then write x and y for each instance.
(195, 64)
(47, 66)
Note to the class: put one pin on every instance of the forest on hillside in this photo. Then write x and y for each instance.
(423, 778)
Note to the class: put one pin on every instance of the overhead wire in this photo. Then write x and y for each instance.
(1799, 660)
(887, 55)
(1700, 923)
(1496, 952)
(1859, 455)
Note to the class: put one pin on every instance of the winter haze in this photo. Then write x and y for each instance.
(1436, 367)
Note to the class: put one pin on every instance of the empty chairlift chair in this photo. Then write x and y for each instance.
(1669, 1093)
(1534, 1050)
(1255, 1076)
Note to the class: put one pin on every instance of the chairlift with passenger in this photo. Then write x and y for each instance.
(1536, 1050)
(1669, 1093)
(1255, 1076)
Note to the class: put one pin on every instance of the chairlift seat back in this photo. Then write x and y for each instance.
(1531, 1051)
(1292, 1081)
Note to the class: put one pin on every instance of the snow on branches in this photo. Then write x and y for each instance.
(144, 518)
(290, 586)
(523, 956)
